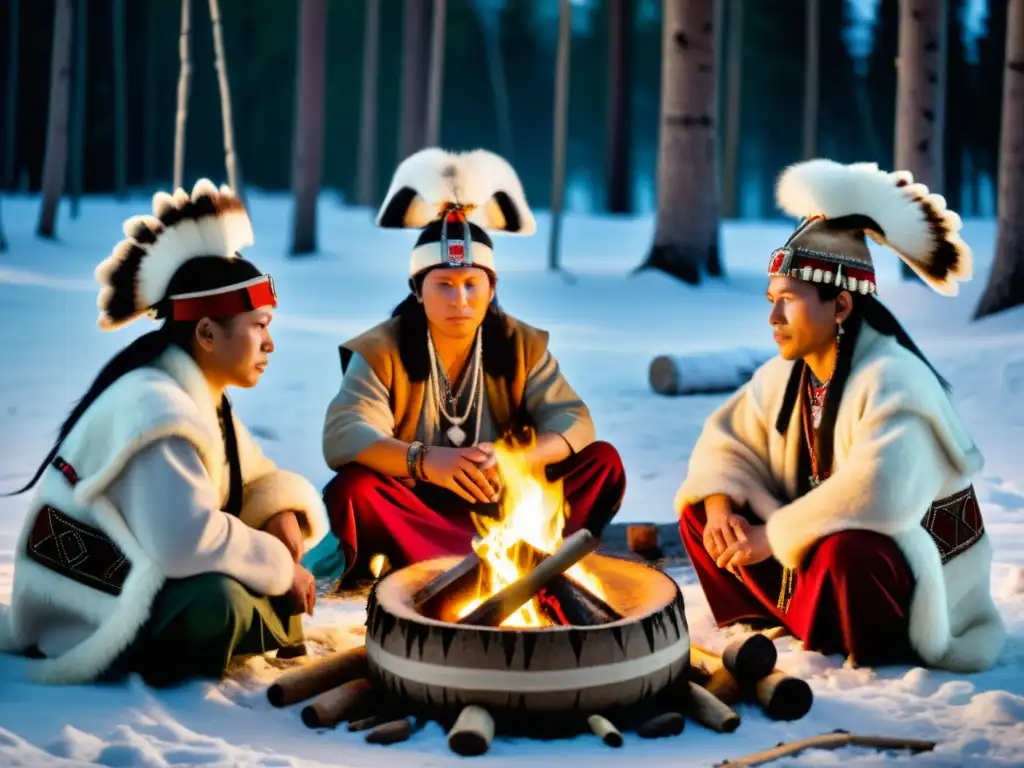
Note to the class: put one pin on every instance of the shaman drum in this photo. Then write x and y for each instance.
(443, 666)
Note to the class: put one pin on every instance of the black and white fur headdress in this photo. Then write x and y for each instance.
(135, 278)
(839, 204)
(455, 198)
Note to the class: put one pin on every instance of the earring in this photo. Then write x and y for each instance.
(839, 330)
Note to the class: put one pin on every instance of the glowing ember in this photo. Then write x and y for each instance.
(533, 510)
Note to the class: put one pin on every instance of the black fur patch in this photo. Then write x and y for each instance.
(513, 221)
(123, 280)
(393, 216)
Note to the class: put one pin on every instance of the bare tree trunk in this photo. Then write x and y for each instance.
(3, 237)
(733, 14)
(55, 164)
(686, 228)
(562, 62)
(120, 108)
(184, 84)
(812, 89)
(619, 137)
(366, 163)
(499, 85)
(919, 93)
(412, 132)
(1005, 287)
(435, 91)
(308, 134)
(221, 65)
(11, 105)
(79, 102)
(149, 97)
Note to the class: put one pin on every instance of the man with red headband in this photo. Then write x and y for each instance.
(426, 395)
(160, 539)
(832, 493)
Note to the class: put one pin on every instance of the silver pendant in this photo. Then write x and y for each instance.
(456, 434)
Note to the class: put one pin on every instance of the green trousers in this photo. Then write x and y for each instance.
(199, 624)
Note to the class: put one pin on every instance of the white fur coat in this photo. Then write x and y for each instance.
(168, 402)
(899, 445)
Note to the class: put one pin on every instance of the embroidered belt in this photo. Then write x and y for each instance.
(955, 523)
(76, 550)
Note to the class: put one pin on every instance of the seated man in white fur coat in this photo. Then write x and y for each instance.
(832, 493)
(160, 539)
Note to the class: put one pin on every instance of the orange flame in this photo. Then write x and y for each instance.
(533, 510)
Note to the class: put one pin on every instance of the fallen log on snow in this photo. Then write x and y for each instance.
(706, 372)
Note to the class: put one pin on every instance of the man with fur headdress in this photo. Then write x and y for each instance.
(426, 394)
(160, 539)
(832, 493)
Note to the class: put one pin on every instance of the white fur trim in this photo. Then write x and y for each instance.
(429, 255)
(280, 491)
(834, 190)
(470, 179)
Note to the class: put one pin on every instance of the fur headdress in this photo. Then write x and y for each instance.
(210, 223)
(454, 198)
(840, 204)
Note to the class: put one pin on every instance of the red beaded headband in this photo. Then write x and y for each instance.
(225, 302)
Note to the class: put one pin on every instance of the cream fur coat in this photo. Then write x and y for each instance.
(167, 402)
(899, 445)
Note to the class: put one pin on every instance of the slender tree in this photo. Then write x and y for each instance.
(561, 111)
(184, 84)
(79, 98)
(412, 133)
(308, 133)
(686, 226)
(120, 103)
(920, 94)
(55, 164)
(366, 162)
(731, 16)
(221, 65)
(11, 103)
(3, 237)
(619, 133)
(812, 68)
(1005, 287)
(435, 86)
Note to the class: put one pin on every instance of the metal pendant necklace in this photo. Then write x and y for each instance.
(456, 434)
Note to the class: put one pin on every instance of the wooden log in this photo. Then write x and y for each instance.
(724, 686)
(499, 606)
(366, 723)
(644, 540)
(338, 704)
(708, 710)
(833, 740)
(704, 373)
(783, 697)
(666, 724)
(750, 658)
(318, 676)
(390, 732)
(462, 576)
(472, 733)
(698, 673)
(577, 605)
(603, 728)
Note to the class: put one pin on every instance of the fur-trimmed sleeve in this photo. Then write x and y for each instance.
(267, 490)
(358, 416)
(893, 469)
(731, 454)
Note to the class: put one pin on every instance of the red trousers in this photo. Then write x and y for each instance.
(851, 595)
(373, 514)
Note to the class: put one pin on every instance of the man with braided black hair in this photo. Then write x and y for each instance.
(160, 539)
(832, 493)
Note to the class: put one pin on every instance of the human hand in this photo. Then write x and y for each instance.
(750, 550)
(723, 526)
(490, 465)
(303, 589)
(458, 470)
(285, 527)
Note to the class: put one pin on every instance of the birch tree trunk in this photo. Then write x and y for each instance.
(308, 133)
(1005, 287)
(731, 13)
(120, 106)
(366, 163)
(221, 65)
(619, 136)
(812, 87)
(920, 94)
(79, 97)
(55, 163)
(184, 84)
(11, 103)
(686, 228)
(435, 90)
(562, 62)
(412, 133)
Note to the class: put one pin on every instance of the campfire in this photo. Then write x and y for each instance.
(534, 634)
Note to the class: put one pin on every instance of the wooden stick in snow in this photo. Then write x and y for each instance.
(833, 740)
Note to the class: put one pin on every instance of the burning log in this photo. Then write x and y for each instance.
(318, 676)
(603, 728)
(499, 606)
(659, 726)
(446, 584)
(338, 704)
(472, 733)
(710, 711)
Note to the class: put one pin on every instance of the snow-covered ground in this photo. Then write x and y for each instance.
(606, 326)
